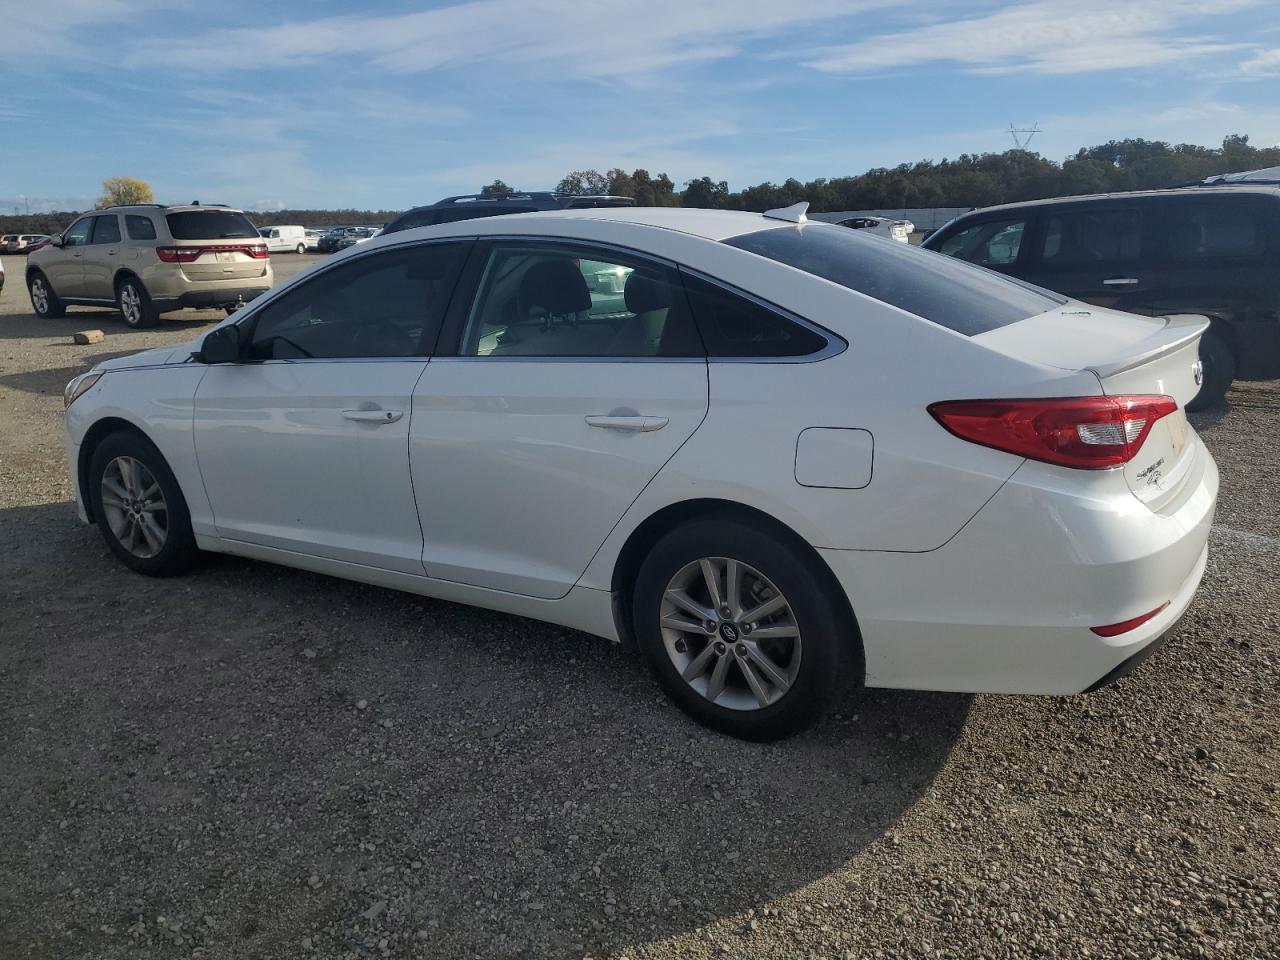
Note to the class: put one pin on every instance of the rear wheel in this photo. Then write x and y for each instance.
(139, 507)
(135, 304)
(1219, 371)
(740, 630)
(43, 300)
(302, 248)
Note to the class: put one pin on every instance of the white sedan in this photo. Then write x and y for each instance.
(781, 457)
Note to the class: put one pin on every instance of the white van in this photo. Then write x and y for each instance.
(285, 239)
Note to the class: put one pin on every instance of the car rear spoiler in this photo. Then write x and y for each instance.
(1179, 330)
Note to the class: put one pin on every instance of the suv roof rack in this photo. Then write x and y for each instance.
(119, 206)
(513, 195)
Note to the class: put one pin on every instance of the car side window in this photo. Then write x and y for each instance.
(544, 300)
(139, 228)
(1206, 230)
(77, 234)
(735, 326)
(991, 243)
(1093, 235)
(106, 228)
(386, 304)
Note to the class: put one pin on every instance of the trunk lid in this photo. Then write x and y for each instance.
(1129, 355)
(224, 238)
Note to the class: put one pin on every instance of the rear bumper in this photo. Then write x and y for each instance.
(219, 297)
(1007, 605)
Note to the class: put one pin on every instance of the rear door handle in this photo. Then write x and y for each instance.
(373, 416)
(634, 424)
(1120, 281)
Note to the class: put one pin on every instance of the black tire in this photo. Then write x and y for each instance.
(831, 650)
(134, 303)
(179, 544)
(53, 307)
(1219, 365)
(301, 249)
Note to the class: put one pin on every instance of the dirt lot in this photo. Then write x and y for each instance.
(254, 762)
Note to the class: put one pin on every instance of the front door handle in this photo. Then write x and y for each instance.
(634, 424)
(1120, 281)
(373, 416)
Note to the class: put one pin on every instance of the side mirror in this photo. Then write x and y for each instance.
(221, 345)
(55, 241)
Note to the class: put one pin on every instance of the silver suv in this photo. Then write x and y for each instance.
(149, 259)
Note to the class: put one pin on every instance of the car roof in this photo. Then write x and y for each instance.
(1217, 190)
(709, 224)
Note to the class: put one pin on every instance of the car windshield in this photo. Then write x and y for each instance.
(210, 225)
(948, 292)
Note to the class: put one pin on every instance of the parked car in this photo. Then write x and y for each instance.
(1211, 251)
(469, 206)
(899, 230)
(798, 457)
(313, 239)
(1, 274)
(21, 242)
(356, 235)
(284, 239)
(330, 241)
(149, 259)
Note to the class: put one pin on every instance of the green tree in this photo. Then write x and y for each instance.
(584, 183)
(657, 191)
(119, 191)
(706, 193)
(495, 189)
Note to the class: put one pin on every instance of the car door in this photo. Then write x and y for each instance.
(65, 269)
(304, 445)
(564, 382)
(102, 257)
(1099, 252)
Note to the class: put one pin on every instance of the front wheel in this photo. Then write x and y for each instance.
(43, 300)
(1218, 366)
(135, 304)
(139, 507)
(740, 629)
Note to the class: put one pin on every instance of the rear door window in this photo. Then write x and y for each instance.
(990, 243)
(140, 228)
(1093, 234)
(1214, 229)
(946, 291)
(734, 326)
(106, 229)
(210, 225)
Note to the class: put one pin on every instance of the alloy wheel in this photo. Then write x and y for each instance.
(39, 295)
(130, 305)
(135, 507)
(730, 633)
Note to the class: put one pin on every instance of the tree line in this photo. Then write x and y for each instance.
(969, 180)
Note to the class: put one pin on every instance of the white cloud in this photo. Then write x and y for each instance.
(1045, 36)
(606, 38)
(1265, 63)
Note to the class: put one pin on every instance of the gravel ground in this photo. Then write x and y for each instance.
(253, 762)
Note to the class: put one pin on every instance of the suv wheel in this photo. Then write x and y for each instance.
(740, 630)
(1219, 365)
(135, 304)
(43, 300)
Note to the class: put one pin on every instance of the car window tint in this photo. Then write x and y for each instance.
(1206, 230)
(106, 229)
(736, 326)
(991, 243)
(946, 291)
(388, 304)
(210, 225)
(140, 228)
(541, 300)
(1093, 235)
(78, 233)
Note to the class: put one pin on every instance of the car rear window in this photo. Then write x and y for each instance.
(210, 225)
(946, 291)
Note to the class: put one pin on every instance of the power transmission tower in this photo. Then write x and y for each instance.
(1022, 135)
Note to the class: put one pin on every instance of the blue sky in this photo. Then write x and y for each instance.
(388, 103)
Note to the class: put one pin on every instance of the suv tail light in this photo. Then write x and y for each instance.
(1088, 433)
(258, 251)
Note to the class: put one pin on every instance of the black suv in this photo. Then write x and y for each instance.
(470, 206)
(1213, 251)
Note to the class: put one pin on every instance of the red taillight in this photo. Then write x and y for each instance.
(1115, 629)
(1089, 433)
(258, 251)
